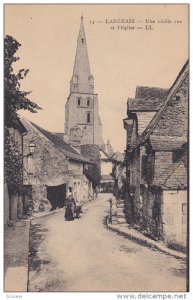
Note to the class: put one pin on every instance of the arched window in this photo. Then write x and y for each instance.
(88, 117)
(79, 101)
(88, 102)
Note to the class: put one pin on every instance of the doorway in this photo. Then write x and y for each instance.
(56, 196)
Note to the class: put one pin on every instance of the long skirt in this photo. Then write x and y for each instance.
(68, 213)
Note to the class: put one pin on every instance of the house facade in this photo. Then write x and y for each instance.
(51, 168)
(157, 167)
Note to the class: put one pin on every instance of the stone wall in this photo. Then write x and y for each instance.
(135, 173)
(15, 207)
(75, 168)
(48, 166)
(174, 121)
(82, 188)
(151, 221)
(174, 218)
(13, 204)
(76, 115)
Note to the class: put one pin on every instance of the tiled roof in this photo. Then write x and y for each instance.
(19, 126)
(167, 143)
(61, 145)
(148, 131)
(153, 93)
(175, 176)
(144, 104)
(147, 99)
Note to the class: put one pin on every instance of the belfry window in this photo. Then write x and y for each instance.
(88, 117)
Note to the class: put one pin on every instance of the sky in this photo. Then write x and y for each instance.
(120, 59)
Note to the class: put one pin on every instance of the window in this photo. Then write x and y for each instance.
(82, 40)
(88, 102)
(79, 101)
(88, 117)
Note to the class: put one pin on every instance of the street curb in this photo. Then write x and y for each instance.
(46, 214)
(53, 212)
(146, 241)
(22, 285)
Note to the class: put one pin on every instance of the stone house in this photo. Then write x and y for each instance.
(51, 167)
(140, 112)
(142, 109)
(13, 200)
(157, 167)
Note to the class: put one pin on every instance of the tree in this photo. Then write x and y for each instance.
(14, 98)
(14, 101)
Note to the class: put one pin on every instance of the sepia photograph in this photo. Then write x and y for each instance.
(96, 148)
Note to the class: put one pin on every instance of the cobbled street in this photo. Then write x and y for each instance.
(83, 255)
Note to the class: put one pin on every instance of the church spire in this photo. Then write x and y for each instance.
(82, 81)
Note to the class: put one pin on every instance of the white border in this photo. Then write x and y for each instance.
(67, 295)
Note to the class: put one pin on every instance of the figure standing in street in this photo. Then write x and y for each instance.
(70, 206)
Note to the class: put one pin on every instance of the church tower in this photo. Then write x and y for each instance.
(82, 121)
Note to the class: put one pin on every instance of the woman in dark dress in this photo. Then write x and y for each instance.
(70, 206)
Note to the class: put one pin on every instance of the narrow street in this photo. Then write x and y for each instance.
(83, 255)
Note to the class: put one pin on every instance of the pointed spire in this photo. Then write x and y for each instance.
(82, 80)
